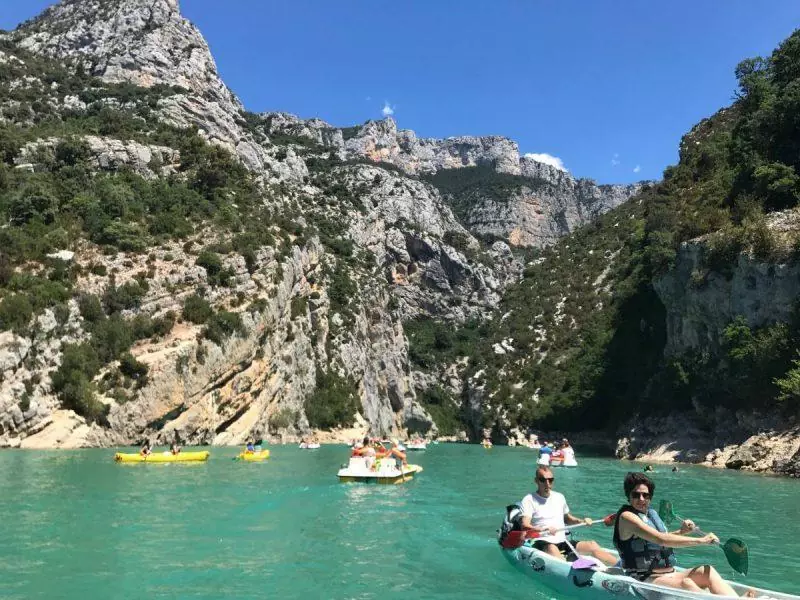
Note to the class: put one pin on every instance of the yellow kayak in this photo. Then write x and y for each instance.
(162, 457)
(253, 455)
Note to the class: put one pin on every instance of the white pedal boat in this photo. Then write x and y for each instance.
(416, 445)
(605, 583)
(380, 470)
(309, 446)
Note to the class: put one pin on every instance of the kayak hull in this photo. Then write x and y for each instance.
(253, 456)
(162, 457)
(605, 584)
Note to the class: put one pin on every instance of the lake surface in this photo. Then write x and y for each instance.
(76, 525)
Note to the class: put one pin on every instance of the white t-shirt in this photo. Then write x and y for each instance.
(546, 512)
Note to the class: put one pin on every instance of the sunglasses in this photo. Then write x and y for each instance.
(548, 479)
(641, 495)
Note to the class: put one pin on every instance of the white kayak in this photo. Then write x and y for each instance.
(309, 446)
(605, 583)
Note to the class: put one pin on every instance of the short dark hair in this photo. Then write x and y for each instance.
(542, 470)
(632, 480)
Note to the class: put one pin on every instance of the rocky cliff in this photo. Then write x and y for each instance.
(152, 288)
(538, 203)
(701, 301)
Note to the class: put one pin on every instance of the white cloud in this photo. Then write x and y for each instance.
(388, 109)
(637, 168)
(615, 159)
(547, 159)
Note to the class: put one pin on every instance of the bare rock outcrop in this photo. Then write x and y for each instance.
(701, 302)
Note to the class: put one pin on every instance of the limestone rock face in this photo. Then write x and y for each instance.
(546, 206)
(701, 303)
(144, 42)
(741, 441)
(110, 154)
(382, 141)
(148, 43)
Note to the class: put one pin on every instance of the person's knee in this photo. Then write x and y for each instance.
(702, 575)
(688, 584)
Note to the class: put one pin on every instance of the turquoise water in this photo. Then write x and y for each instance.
(76, 525)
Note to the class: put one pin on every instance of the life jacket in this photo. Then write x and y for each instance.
(510, 534)
(638, 555)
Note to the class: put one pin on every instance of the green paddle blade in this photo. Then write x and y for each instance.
(666, 513)
(737, 554)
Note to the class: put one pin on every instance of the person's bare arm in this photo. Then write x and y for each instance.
(526, 524)
(630, 524)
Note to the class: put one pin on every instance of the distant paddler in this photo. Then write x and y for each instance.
(146, 450)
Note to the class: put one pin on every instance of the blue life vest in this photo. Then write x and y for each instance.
(638, 555)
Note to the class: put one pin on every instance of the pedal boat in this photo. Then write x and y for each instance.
(381, 470)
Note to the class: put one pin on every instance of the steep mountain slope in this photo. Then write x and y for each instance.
(674, 314)
(176, 267)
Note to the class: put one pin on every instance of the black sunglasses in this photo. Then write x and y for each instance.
(642, 495)
(543, 479)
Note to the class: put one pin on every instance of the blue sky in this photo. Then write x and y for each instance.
(608, 86)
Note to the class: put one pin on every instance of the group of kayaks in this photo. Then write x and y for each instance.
(358, 469)
(254, 455)
(181, 457)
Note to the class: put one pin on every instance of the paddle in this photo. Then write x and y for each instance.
(515, 539)
(735, 550)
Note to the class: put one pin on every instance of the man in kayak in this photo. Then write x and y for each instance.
(547, 511)
(145, 450)
(644, 544)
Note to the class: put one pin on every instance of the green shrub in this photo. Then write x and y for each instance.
(282, 419)
(124, 297)
(443, 409)
(196, 309)
(134, 369)
(223, 325)
(90, 308)
(299, 306)
(16, 313)
(212, 263)
(333, 403)
(72, 382)
(111, 337)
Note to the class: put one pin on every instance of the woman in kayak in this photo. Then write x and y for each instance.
(645, 545)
